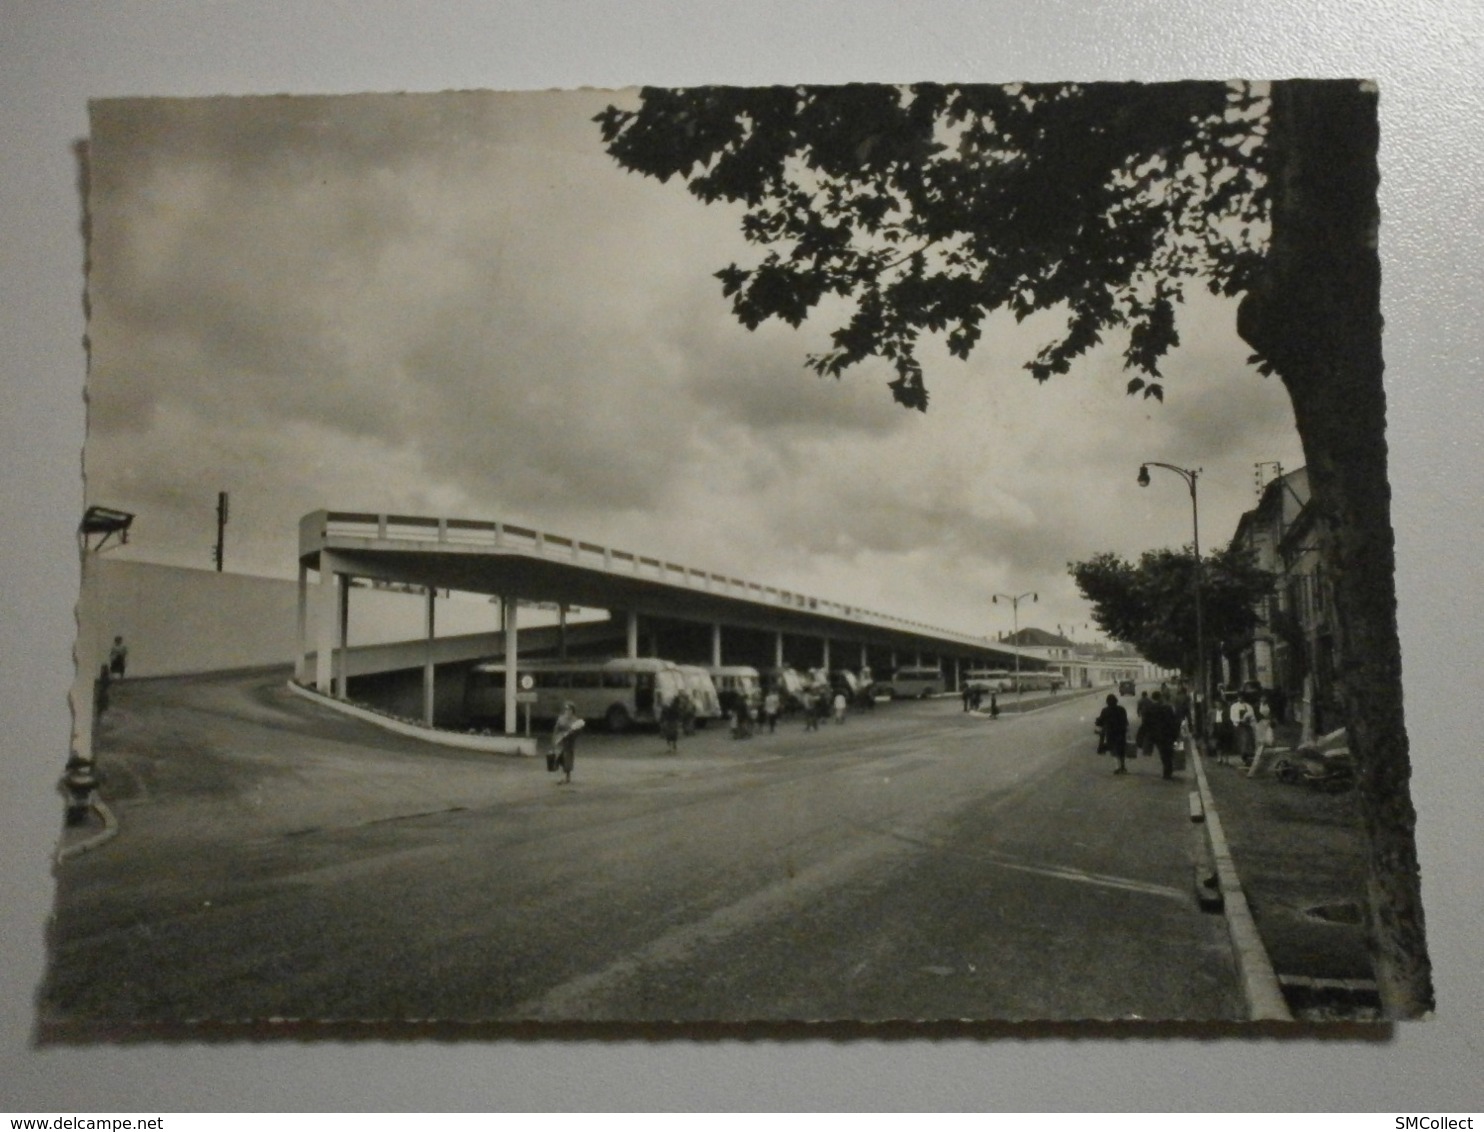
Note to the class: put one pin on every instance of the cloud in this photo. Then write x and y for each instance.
(458, 304)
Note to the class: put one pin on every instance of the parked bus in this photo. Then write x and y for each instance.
(915, 682)
(1038, 681)
(989, 680)
(789, 685)
(735, 682)
(702, 691)
(619, 692)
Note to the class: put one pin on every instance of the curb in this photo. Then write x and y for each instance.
(458, 740)
(1265, 1001)
(109, 831)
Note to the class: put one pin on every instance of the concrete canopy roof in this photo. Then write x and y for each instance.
(476, 556)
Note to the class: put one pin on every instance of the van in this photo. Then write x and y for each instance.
(915, 682)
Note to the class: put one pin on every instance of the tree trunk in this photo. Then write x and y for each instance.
(1316, 316)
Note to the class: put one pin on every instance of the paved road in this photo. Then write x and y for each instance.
(277, 861)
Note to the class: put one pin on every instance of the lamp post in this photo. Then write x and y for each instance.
(1190, 475)
(1015, 611)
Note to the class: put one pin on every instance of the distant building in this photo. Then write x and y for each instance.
(1082, 665)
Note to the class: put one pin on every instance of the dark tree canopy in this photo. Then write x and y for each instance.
(1151, 604)
(931, 207)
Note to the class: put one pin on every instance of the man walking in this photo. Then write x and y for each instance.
(1161, 729)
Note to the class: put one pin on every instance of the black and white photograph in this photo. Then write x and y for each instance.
(743, 555)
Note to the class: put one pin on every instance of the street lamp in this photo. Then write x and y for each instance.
(1015, 610)
(1190, 475)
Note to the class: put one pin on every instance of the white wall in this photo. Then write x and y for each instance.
(179, 620)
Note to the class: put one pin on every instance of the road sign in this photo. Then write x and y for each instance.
(527, 682)
(525, 697)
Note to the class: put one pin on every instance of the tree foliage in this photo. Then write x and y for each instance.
(1151, 604)
(928, 207)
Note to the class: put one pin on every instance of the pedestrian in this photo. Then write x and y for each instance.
(994, 707)
(118, 658)
(1142, 738)
(1181, 703)
(966, 693)
(564, 740)
(771, 704)
(671, 722)
(839, 707)
(1113, 724)
(1161, 731)
(1244, 735)
(811, 710)
(741, 725)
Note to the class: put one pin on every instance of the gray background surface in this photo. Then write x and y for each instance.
(1426, 56)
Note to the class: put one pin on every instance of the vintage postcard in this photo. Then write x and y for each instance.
(737, 555)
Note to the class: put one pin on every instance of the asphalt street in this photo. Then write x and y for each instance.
(276, 861)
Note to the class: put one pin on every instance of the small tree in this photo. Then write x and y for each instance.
(928, 208)
(1151, 604)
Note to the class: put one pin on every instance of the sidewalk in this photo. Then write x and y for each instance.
(1300, 854)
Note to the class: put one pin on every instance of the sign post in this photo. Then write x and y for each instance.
(526, 697)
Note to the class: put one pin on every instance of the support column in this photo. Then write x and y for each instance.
(825, 653)
(512, 659)
(561, 630)
(778, 649)
(342, 654)
(428, 671)
(301, 626)
(716, 644)
(865, 659)
(327, 623)
(632, 643)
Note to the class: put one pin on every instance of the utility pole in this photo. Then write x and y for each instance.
(221, 530)
(1015, 610)
(1190, 476)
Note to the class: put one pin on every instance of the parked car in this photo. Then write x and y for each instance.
(1126, 688)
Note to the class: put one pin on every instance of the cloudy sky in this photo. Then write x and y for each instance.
(458, 305)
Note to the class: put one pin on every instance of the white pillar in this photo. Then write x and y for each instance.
(561, 630)
(716, 644)
(327, 623)
(428, 673)
(342, 654)
(825, 658)
(301, 625)
(632, 643)
(778, 649)
(512, 660)
(865, 660)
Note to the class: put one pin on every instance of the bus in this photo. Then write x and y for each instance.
(789, 685)
(1049, 681)
(702, 691)
(989, 680)
(736, 682)
(618, 693)
(915, 682)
